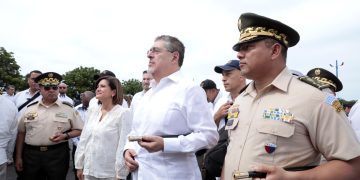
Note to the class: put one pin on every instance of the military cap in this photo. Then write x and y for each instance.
(49, 79)
(208, 84)
(230, 65)
(326, 77)
(104, 73)
(254, 27)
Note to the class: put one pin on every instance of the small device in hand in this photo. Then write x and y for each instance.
(135, 138)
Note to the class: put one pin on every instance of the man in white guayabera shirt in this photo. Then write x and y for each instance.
(173, 119)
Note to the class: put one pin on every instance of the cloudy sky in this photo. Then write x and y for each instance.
(115, 34)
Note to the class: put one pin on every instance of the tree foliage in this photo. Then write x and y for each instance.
(9, 70)
(79, 80)
(131, 86)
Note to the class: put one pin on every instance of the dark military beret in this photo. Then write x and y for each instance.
(254, 27)
(49, 79)
(327, 77)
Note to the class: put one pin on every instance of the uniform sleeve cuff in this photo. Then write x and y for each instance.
(171, 145)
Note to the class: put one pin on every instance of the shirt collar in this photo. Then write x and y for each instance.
(174, 77)
(281, 82)
(58, 102)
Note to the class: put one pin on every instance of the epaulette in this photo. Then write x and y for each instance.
(67, 103)
(314, 82)
(32, 103)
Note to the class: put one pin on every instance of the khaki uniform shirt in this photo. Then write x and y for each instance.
(288, 124)
(40, 122)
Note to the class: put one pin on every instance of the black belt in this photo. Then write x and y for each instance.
(46, 148)
(173, 136)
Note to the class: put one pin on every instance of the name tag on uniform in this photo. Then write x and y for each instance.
(62, 115)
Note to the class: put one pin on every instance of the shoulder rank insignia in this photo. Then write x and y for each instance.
(32, 103)
(334, 102)
(314, 82)
(67, 103)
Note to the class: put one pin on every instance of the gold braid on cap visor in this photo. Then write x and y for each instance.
(326, 81)
(253, 32)
(49, 81)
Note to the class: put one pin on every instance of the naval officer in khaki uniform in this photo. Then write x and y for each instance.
(326, 77)
(280, 122)
(44, 128)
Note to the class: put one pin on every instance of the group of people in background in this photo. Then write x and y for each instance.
(278, 125)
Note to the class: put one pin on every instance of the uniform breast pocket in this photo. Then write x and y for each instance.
(276, 128)
(61, 124)
(270, 139)
(32, 126)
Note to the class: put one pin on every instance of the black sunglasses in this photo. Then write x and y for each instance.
(47, 88)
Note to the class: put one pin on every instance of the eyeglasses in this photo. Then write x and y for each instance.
(62, 87)
(47, 88)
(156, 50)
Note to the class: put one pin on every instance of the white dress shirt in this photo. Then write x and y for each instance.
(22, 97)
(66, 99)
(354, 117)
(174, 106)
(135, 100)
(84, 115)
(100, 150)
(11, 98)
(8, 129)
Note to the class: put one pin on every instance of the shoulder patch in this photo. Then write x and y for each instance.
(67, 103)
(313, 82)
(33, 103)
(334, 102)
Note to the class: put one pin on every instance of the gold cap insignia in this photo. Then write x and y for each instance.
(317, 72)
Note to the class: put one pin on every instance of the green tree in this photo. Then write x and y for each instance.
(79, 80)
(131, 86)
(9, 70)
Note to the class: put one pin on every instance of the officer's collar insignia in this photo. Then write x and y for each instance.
(31, 115)
(278, 114)
(270, 147)
(334, 102)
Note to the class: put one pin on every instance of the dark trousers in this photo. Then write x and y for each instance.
(73, 158)
(51, 164)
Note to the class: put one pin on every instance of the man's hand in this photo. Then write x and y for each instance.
(273, 172)
(57, 137)
(79, 174)
(19, 164)
(130, 160)
(222, 112)
(152, 143)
